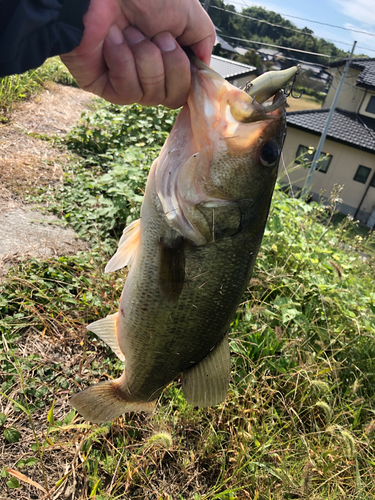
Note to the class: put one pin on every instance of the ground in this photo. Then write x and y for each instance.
(29, 158)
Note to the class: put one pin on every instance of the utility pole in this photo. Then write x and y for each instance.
(206, 5)
(318, 151)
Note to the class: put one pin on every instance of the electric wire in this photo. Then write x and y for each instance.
(277, 46)
(308, 20)
(296, 29)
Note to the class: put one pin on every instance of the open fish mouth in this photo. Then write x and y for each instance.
(252, 104)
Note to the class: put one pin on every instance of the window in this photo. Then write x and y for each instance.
(323, 163)
(362, 174)
(371, 105)
(372, 182)
(305, 156)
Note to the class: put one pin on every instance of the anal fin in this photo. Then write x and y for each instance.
(127, 247)
(206, 383)
(106, 330)
(105, 401)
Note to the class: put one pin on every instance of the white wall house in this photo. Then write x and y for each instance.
(348, 156)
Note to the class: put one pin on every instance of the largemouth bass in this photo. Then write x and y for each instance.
(192, 252)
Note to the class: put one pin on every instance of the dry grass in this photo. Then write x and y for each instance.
(304, 103)
(28, 157)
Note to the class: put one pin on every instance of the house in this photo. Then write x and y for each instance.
(238, 74)
(225, 47)
(348, 156)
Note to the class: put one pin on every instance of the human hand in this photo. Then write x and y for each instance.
(131, 50)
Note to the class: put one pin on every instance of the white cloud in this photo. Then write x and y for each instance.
(363, 40)
(361, 10)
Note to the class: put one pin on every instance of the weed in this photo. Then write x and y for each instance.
(16, 88)
(298, 419)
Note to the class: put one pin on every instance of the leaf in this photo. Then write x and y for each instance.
(12, 435)
(50, 418)
(13, 483)
(18, 475)
(3, 418)
(31, 461)
(95, 488)
(69, 417)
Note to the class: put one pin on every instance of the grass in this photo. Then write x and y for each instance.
(298, 421)
(16, 88)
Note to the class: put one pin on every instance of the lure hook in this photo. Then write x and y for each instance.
(290, 92)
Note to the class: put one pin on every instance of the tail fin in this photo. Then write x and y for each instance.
(105, 401)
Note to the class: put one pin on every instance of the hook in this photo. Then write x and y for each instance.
(291, 90)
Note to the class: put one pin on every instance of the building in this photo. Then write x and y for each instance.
(349, 150)
(238, 74)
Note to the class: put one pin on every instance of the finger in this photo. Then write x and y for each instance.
(149, 65)
(176, 70)
(121, 82)
(199, 33)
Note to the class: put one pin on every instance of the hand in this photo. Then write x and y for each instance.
(131, 50)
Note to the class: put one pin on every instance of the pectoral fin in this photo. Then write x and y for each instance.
(106, 329)
(172, 269)
(206, 383)
(127, 247)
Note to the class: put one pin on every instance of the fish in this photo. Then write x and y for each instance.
(192, 252)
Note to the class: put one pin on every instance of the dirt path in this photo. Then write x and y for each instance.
(27, 160)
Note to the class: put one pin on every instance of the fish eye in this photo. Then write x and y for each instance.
(269, 154)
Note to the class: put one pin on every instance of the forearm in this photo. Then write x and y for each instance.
(33, 30)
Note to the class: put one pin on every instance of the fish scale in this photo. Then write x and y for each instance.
(193, 250)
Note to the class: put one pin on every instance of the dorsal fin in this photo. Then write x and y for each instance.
(127, 247)
(106, 330)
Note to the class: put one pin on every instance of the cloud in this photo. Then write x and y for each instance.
(363, 41)
(361, 10)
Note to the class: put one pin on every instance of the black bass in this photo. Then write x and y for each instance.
(192, 252)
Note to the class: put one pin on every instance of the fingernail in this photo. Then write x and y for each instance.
(165, 42)
(114, 35)
(132, 35)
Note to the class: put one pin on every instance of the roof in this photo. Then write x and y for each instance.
(348, 128)
(224, 45)
(230, 69)
(366, 66)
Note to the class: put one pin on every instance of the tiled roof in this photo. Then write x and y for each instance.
(230, 69)
(224, 45)
(366, 78)
(348, 128)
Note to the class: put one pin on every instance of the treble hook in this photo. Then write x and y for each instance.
(291, 90)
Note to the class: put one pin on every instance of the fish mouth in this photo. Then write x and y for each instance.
(254, 102)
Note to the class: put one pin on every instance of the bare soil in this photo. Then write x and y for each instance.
(30, 158)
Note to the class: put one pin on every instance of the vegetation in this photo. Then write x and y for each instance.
(276, 30)
(16, 88)
(298, 421)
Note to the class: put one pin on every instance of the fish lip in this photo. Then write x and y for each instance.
(278, 103)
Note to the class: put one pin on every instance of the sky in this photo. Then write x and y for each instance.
(354, 14)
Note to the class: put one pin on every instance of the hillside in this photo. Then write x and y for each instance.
(276, 30)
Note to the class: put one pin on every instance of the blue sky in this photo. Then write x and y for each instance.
(355, 14)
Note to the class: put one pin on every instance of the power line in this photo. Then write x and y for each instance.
(305, 62)
(261, 21)
(277, 46)
(331, 25)
(298, 30)
(311, 21)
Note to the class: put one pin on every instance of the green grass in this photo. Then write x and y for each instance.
(298, 421)
(16, 88)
